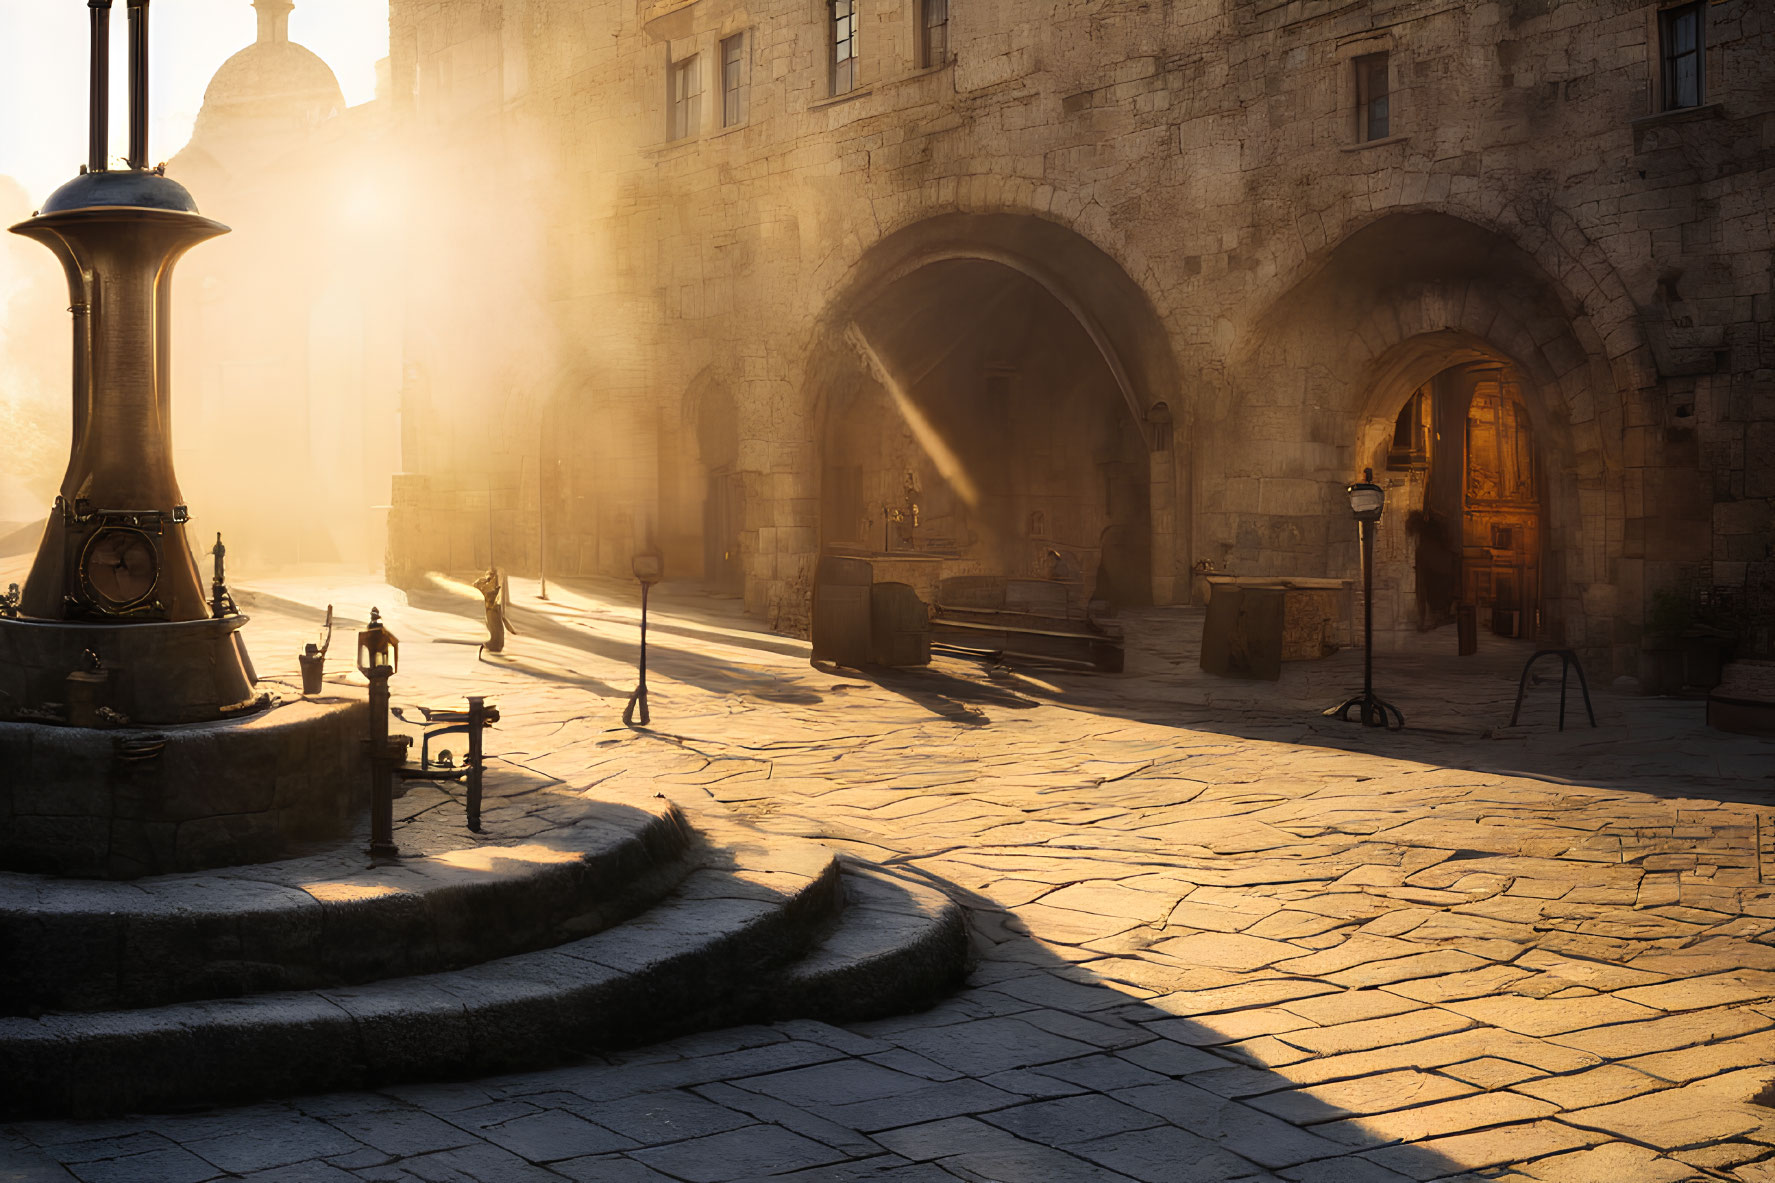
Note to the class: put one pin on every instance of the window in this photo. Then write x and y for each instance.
(933, 25)
(1373, 119)
(733, 81)
(687, 98)
(1679, 32)
(844, 45)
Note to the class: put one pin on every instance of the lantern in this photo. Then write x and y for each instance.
(649, 566)
(377, 648)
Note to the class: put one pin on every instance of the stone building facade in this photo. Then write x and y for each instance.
(1128, 288)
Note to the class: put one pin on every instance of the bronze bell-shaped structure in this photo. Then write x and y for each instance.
(115, 547)
(114, 573)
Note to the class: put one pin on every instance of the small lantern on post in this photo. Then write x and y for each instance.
(377, 648)
(649, 567)
(378, 657)
(1367, 501)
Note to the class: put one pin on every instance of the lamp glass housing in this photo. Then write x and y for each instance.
(1367, 500)
(377, 647)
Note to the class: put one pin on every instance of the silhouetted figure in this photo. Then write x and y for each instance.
(493, 591)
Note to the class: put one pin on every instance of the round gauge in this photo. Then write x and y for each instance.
(120, 567)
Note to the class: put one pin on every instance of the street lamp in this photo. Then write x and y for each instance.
(1367, 500)
(378, 656)
(648, 566)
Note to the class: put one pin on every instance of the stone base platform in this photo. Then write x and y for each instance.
(744, 927)
(155, 673)
(123, 803)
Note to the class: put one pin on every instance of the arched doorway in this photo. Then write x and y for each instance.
(974, 424)
(703, 500)
(1465, 445)
(1378, 317)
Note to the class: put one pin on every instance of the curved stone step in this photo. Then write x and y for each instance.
(550, 866)
(901, 946)
(695, 960)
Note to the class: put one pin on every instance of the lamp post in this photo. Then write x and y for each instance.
(378, 656)
(648, 567)
(542, 537)
(1367, 500)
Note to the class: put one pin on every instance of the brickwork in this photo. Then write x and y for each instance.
(1187, 178)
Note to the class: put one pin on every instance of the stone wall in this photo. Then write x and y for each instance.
(1187, 178)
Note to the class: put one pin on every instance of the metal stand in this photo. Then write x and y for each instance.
(472, 723)
(639, 698)
(386, 755)
(1375, 710)
(1568, 660)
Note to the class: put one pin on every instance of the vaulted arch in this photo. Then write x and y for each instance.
(949, 317)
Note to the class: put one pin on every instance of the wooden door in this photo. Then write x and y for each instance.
(1501, 521)
(724, 516)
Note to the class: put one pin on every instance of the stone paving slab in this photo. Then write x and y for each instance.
(1446, 969)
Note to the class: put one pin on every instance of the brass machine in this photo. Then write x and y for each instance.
(115, 551)
(115, 635)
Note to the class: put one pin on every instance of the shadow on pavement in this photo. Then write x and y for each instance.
(671, 661)
(1068, 1075)
(960, 700)
(1457, 711)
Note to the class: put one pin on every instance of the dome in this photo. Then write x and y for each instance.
(135, 188)
(272, 81)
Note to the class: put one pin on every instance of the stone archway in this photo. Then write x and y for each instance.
(1003, 374)
(1466, 474)
(1328, 367)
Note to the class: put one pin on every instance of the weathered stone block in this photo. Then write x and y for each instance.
(124, 803)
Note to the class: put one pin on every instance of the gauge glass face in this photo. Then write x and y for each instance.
(121, 567)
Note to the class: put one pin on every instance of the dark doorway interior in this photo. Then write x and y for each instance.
(982, 402)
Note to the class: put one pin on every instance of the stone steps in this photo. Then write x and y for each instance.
(762, 931)
(901, 946)
(552, 866)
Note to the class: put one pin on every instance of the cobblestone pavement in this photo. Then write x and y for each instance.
(1219, 937)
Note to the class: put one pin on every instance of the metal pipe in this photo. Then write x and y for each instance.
(138, 83)
(383, 763)
(98, 146)
(645, 719)
(478, 718)
(638, 700)
(1368, 703)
